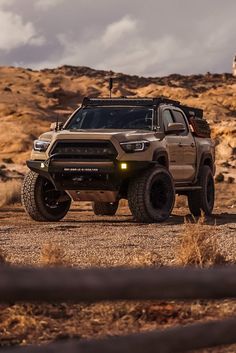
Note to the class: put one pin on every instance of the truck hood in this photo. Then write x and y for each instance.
(119, 135)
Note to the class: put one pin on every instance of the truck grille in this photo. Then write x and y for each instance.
(84, 150)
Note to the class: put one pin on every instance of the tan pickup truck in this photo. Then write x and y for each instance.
(144, 150)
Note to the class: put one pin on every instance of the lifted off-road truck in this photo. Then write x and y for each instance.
(144, 150)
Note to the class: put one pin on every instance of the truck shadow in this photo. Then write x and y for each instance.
(126, 220)
(121, 219)
(214, 219)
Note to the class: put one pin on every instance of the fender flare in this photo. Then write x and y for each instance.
(206, 156)
(162, 155)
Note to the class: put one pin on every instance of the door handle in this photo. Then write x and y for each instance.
(180, 144)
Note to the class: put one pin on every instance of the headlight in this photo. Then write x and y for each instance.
(41, 146)
(135, 146)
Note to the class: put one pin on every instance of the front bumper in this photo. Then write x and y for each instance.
(92, 175)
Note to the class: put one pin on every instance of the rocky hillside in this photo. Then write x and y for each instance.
(30, 100)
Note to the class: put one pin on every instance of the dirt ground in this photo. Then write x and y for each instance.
(89, 240)
(104, 241)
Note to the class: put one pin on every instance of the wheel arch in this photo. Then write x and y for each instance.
(161, 156)
(206, 159)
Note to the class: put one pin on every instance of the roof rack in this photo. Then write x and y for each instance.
(189, 111)
(192, 112)
(128, 101)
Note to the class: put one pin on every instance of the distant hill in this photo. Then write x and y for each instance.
(30, 100)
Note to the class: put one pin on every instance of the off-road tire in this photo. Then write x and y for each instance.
(151, 196)
(202, 201)
(105, 208)
(33, 200)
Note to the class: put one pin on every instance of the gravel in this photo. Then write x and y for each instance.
(89, 240)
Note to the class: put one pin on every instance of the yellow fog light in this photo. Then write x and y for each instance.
(123, 166)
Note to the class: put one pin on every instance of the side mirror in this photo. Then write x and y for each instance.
(56, 126)
(175, 128)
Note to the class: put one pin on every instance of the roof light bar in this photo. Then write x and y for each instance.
(141, 102)
(128, 101)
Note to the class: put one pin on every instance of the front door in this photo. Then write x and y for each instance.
(174, 148)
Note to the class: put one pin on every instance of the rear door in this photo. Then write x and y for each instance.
(187, 146)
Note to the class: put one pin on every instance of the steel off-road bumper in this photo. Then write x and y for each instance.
(45, 168)
(87, 176)
(71, 175)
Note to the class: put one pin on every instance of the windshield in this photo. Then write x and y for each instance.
(112, 118)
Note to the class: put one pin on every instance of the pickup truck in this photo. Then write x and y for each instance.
(145, 150)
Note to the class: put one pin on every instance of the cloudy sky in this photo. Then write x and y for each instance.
(143, 37)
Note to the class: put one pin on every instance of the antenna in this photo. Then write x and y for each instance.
(110, 85)
(57, 124)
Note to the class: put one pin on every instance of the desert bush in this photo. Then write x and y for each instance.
(10, 192)
(198, 245)
(219, 178)
(53, 255)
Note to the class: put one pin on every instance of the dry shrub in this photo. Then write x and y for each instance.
(198, 245)
(53, 255)
(10, 192)
(17, 324)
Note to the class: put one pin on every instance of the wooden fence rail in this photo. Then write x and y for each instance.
(60, 284)
(173, 340)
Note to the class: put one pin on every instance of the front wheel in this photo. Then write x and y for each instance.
(203, 200)
(151, 196)
(105, 208)
(42, 201)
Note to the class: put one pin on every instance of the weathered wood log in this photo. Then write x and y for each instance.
(173, 340)
(61, 284)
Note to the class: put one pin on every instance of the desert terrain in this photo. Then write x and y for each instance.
(29, 102)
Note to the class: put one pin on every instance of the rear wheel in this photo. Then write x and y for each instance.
(105, 208)
(151, 196)
(41, 200)
(203, 200)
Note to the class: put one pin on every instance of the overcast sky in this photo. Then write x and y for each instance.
(143, 37)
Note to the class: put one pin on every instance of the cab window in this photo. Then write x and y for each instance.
(167, 118)
(179, 118)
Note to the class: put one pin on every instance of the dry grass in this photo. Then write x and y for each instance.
(10, 192)
(198, 245)
(42, 323)
(53, 255)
